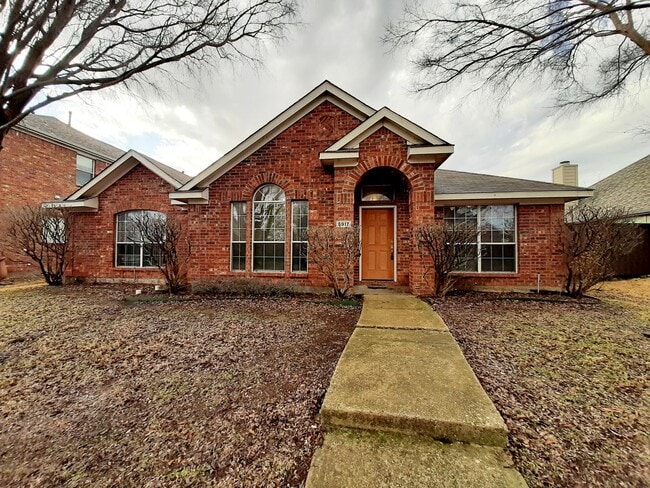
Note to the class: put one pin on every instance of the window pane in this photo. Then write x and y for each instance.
(85, 169)
(151, 255)
(268, 257)
(498, 257)
(128, 255)
(269, 193)
(299, 257)
(497, 223)
(466, 257)
(238, 260)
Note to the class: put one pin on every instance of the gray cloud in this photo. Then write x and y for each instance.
(190, 126)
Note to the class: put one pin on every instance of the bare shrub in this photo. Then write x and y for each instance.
(43, 235)
(591, 240)
(335, 253)
(450, 248)
(246, 287)
(165, 238)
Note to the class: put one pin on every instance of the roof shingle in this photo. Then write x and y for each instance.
(628, 188)
(54, 129)
(451, 182)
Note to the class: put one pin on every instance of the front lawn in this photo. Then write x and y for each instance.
(96, 390)
(569, 377)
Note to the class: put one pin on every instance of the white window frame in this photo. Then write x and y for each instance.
(303, 241)
(479, 243)
(232, 241)
(253, 241)
(92, 169)
(140, 243)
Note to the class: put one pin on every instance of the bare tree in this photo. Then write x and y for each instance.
(60, 48)
(499, 41)
(449, 247)
(335, 252)
(592, 239)
(43, 235)
(165, 240)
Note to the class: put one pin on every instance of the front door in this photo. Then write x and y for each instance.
(377, 251)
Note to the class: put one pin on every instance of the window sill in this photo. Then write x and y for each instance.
(484, 273)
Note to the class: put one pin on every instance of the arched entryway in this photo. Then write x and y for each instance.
(382, 211)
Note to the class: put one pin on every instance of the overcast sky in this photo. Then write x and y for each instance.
(189, 127)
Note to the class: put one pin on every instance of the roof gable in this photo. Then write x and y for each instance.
(424, 146)
(121, 167)
(326, 91)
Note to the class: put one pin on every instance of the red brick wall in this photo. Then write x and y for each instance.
(291, 161)
(32, 171)
(93, 236)
(537, 252)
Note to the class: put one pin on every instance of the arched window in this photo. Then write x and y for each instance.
(136, 229)
(269, 228)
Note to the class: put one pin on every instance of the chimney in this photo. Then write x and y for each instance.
(566, 174)
(70, 118)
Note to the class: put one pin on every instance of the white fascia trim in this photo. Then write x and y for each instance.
(115, 171)
(88, 204)
(391, 120)
(425, 151)
(326, 91)
(191, 196)
(640, 219)
(326, 156)
(566, 195)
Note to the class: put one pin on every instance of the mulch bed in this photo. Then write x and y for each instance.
(568, 377)
(99, 391)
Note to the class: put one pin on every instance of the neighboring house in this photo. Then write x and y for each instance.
(44, 158)
(329, 159)
(629, 189)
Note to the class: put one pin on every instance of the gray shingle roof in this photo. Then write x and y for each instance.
(628, 188)
(52, 128)
(174, 173)
(449, 182)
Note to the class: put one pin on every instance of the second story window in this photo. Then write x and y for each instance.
(85, 169)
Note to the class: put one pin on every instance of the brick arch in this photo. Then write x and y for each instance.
(414, 180)
(265, 178)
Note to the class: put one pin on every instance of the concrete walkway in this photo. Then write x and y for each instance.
(405, 409)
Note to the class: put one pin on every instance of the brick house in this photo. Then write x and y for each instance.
(329, 159)
(44, 158)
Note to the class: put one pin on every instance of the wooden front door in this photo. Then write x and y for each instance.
(377, 251)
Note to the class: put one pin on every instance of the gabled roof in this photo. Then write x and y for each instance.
(53, 130)
(459, 186)
(423, 146)
(326, 91)
(628, 188)
(121, 167)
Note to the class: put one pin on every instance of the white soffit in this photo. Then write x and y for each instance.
(326, 91)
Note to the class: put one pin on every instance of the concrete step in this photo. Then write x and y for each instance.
(411, 382)
(358, 459)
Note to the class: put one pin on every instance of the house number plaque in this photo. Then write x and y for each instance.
(344, 223)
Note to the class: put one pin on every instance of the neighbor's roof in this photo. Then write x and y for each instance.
(628, 188)
(52, 129)
(457, 186)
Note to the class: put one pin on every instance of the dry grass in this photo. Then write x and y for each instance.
(569, 377)
(99, 391)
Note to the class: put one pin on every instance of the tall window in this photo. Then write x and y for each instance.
(496, 244)
(269, 228)
(85, 169)
(238, 236)
(131, 248)
(299, 225)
